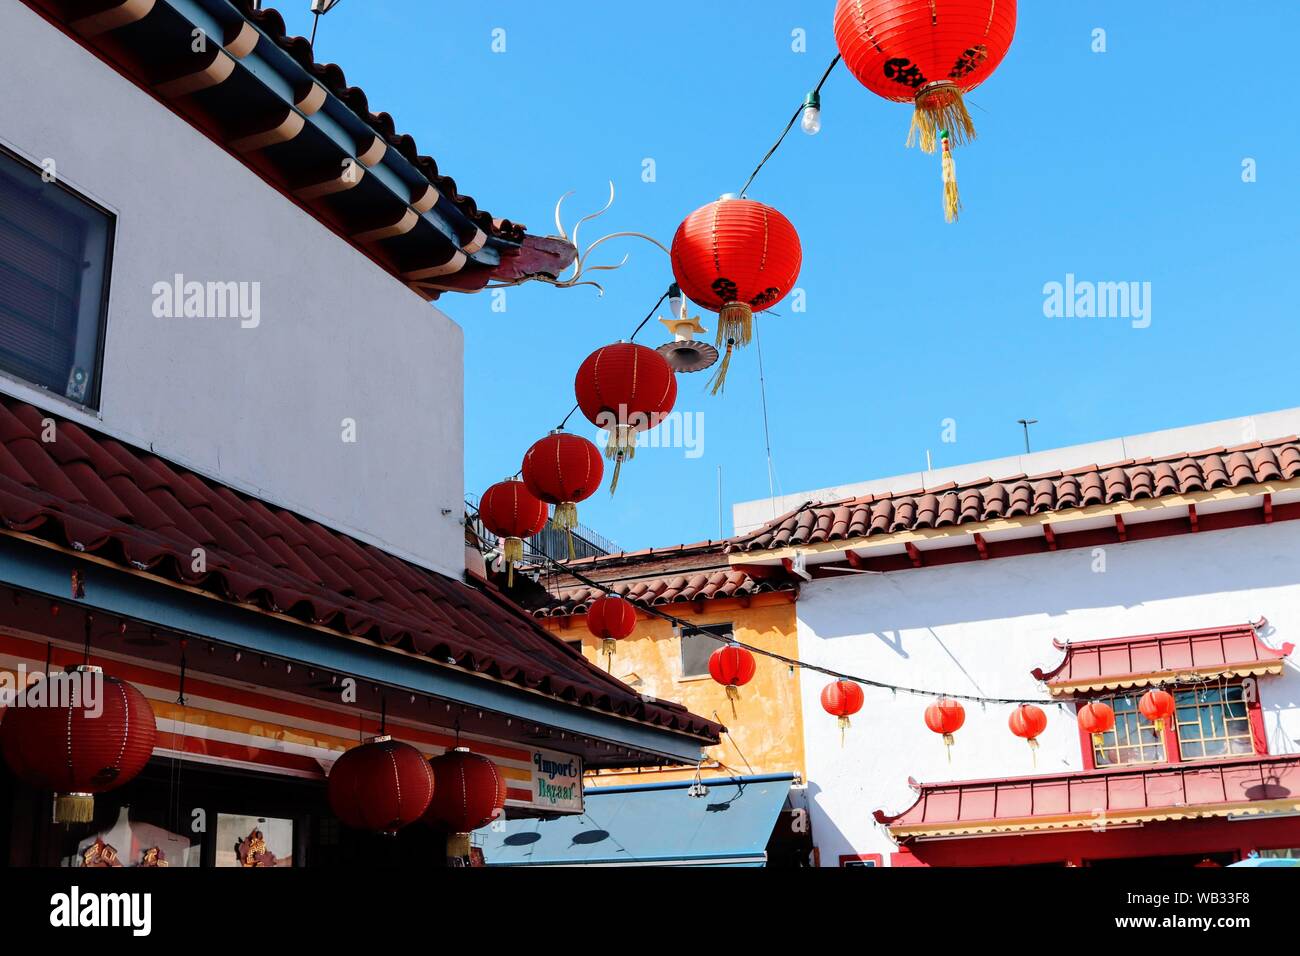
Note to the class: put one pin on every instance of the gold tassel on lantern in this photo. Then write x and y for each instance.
(566, 519)
(733, 695)
(951, 199)
(74, 807)
(609, 647)
(512, 551)
(1033, 750)
(948, 742)
(457, 846)
(719, 380)
(844, 725)
(939, 108)
(620, 447)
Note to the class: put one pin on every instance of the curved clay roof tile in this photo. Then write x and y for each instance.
(1141, 482)
(1240, 471)
(1067, 492)
(995, 501)
(1020, 499)
(904, 514)
(1215, 471)
(1115, 481)
(1091, 489)
(1265, 465)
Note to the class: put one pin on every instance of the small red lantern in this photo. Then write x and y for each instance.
(1097, 719)
(381, 785)
(611, 618)
(733, 666)
(945, 716)
(625, 389)
(842, 699)
(930, 52)
(468, 792)
(563, 469)
(64, 742)
(735, 257)
(511, 512)
(1157, 706)
(1028, 721)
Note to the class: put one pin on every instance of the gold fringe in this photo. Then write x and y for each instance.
(609, 647)
(735, 324)
(622, 443)
(844, 725)
(1033, 750)
(719, 380)
(948, 742)
(457, 846)
(613, 482)
(951, 198)
(940, 106)
(512, 551)
(566, 519)
(733, 695)
(74, 807)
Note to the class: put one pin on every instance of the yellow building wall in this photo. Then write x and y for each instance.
(767, 727)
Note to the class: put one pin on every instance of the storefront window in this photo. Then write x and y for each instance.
(1134, 739)
(1213, 722)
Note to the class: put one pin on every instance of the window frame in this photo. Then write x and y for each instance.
(1170, 738)
(94, 394)
(694, 631)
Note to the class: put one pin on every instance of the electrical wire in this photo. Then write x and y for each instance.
(786, 132)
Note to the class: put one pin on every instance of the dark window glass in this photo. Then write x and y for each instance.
(699, 645)
(1213, 722)
(55, 251)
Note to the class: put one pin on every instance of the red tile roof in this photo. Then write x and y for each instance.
(94, 494)
(986, 499)
(1117, 796)
(1121, 662)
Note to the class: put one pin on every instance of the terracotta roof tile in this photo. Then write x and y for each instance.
(93, 493)
(985, 499)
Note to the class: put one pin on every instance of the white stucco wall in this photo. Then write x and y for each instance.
(259, 408)
(981, 627)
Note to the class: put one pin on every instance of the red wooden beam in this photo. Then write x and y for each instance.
(914, 553)
(1192, 519)
(982, 546)
(1050, 534)
(855, 560)
(1119, 527)
(1268, 509)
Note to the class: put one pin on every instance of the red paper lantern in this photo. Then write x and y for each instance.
(1028, 721)
(381, 785)
(929, 52)
(563, 469)
(1097, 719)
(945, 716)
(733, 666)
(1157, 706)
(468, 792)
(611, 618)
(842, 699)
(55, 740)
(511, 512)
(735, 257)
(625, 389)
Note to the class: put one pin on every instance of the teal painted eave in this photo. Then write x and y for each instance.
(279, 72)
(47, 572)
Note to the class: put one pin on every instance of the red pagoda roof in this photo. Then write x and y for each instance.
(1122, 662)
(89, 493)
(1233, 787)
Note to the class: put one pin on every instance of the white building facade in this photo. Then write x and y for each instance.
(971, 604)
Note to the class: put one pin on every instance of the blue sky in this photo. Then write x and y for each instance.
(1116, 166)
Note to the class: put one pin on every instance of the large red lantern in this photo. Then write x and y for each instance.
(468, 792)
(735, 257)
(1157, 706)
(625, 389)
(734, 667)
(1029, 722)
(842, 699)
(563, 469)
(80, 743)
(511, 512)
(381, 785)
(611, 618)
(931, 53)
(945, 716)
(1097, 719)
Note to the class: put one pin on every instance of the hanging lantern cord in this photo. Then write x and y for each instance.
(789, 126)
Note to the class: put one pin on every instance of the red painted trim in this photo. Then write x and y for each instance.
(1119, 527)
(914, 554)
(981, 546)
(1070, 540)
(1191, 518)
(1258, 732)
(1049, 535)
(1085, 742)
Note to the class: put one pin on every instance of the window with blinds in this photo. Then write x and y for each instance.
(55, 249)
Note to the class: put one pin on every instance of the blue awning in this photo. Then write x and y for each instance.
(656, 824)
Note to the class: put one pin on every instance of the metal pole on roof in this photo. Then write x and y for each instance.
(1025, 423)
